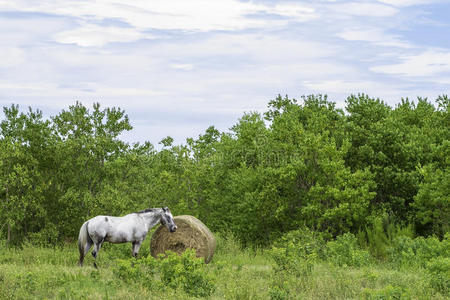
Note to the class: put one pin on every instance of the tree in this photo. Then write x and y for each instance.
(85, 141)
(24, 140)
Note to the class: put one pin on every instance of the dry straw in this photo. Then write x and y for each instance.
(191, 233)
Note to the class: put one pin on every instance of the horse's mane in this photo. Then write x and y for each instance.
(144, 211)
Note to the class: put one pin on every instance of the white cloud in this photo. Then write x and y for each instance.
(196, 15)
(184, 67)
(363, 9)
(443, 80)
(428, 63)
(86, 89)
(94, 35)
(191, 64)
(252, 47)
(408, 2)
(348, 87)
(375, 35)
(11, 56)
(25, 32)
(300, 13)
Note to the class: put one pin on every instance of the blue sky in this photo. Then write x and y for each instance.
(177, 67)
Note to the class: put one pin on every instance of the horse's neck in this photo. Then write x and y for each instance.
(151, 219)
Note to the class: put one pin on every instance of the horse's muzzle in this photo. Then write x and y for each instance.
(173, 229)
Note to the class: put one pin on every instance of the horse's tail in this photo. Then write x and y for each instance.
(83, 238)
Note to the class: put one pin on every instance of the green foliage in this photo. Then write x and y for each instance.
(129, 271)
(394, 144)
(286, 261)
(380, 234)
(377, 238)
(48, 236)
(35, 272)
(439, 270)
(279, 293)
(302, 163)
(405, 251)
(188, 271)
(294, 256)
(303, 243)
(345, 251)
(388, 292)
(184, 271)
(432, 202)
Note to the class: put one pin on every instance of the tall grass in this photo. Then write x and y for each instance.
(300, 266)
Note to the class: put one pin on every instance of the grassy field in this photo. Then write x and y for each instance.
(52, 273)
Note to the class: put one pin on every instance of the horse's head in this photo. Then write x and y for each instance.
(167, 220)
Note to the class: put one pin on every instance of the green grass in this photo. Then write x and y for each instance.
(52, 273)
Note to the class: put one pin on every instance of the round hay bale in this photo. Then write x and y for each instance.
(191, 233)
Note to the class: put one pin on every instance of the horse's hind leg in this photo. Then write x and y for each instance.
(85, 251)
(95, 251)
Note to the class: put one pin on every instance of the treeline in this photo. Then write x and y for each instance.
(300, 164)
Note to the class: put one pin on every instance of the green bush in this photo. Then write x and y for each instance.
(188, 271)
(379, 234)
(49, 236)
(127, 270)
(173, 270)
(288, 267)
(406, 251)
(402, 251)
(345, 251)
(289, 262)
(439, 270)
(294, 256)
(296, 251)
(303, 243)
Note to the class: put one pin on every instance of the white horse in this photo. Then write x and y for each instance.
(130, 228)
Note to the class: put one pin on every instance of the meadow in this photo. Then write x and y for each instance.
(300, 266)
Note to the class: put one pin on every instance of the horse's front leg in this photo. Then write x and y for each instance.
(136, 247)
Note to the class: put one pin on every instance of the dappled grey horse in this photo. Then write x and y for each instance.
(130, 228)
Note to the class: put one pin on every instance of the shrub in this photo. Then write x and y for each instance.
(49, 236)
(127, 270)
(287, 266)
(303, 243)
(439, 270)
(188, 271)
(173, 270)
(406, 251)
(402, 251)
(294, 255)
(345, 251)
(287, 261)
(380, 233)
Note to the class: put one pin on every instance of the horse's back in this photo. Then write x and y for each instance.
(105, 221)
(113, 229)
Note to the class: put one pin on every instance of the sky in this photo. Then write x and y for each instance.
(179, 66)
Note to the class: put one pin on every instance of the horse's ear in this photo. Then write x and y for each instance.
(165, 209)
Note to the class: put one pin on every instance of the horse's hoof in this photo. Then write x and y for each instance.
(95, 265)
